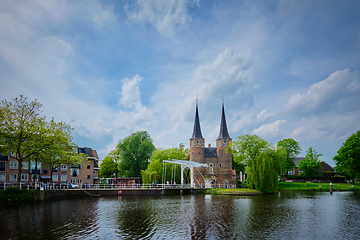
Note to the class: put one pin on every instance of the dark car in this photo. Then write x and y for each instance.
(61, 186)
(17, 185)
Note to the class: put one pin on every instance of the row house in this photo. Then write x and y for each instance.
(85, 173)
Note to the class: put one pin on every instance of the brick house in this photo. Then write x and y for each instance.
(81, 174)
(324, 167)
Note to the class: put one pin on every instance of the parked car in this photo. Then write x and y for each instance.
(73, 185)
(7, 184)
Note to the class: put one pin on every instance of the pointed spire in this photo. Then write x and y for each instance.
(223, 128)
(197, 129)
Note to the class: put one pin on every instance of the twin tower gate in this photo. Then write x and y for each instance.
(184, 164)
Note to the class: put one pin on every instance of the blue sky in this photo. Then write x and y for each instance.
(287, 69)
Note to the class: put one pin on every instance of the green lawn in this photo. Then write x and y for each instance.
(299, 186)
(233, 191)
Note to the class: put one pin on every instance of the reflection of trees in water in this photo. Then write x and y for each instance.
(49, 219)
(136, 218)
(212, 216)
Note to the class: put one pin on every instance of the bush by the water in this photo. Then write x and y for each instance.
(15, 194)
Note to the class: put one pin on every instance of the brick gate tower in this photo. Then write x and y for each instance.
(218, 158)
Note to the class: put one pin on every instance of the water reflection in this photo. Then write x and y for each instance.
(281, 216)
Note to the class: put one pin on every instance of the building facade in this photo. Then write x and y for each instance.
(218, 159)
(85, 173)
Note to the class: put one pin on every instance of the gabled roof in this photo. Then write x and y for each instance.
(297, 160)
(197, 129)
(223, 128)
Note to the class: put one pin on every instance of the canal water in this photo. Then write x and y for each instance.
(287, 215)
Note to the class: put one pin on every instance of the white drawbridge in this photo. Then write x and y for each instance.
(190, 165)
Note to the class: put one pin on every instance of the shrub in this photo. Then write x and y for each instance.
(16, 194)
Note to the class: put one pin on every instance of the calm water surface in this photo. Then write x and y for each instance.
(282, 216)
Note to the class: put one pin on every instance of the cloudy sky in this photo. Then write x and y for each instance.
(287, 69)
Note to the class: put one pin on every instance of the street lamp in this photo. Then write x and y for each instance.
(148, 179)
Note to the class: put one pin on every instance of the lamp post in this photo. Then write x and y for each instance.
(148, 179)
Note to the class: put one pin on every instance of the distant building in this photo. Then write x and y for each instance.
(324, 167)
(83, 173)
(218, 158)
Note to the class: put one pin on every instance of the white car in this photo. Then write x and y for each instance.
(73, 185)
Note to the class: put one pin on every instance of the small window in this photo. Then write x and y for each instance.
(197, 141)
(79, 181)
(32, 177)
(63, 178)
(88, 167)
(63, 167)
(3, 166)
(25, 165)
(45, 171)
(13, 164)
(224, 141)
(55, 178)
(55, 170)
(87, 176)
(13, 177)
(211, 165)
(24, 177)
(2, 177)
(220, 165)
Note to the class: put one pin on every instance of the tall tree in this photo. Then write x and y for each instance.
(347, 159)
(109, 165)
(134, 151)
(154, 171)
(20, 127)
(310, 165)
(262, 159)
(292, 149)
(58, 147)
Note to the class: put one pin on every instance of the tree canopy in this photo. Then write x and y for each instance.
(109, 166)
(262, 159)
(292, 149)
(310, 165)
(155, 167)
(347, 159)
(134, 151)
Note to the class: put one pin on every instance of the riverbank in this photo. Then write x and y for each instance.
(232, 191)
(321, 187)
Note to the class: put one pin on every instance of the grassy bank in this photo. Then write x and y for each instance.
(15, 194)
(298, 186)
(232, 191)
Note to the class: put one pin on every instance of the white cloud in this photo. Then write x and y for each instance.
(269, 130)
(164, 15)
(340, 91)
(130, 93)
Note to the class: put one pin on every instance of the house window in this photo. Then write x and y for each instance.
(79, 181)
(220, 164)
(25, 165)
(63, 167)
(88, 167)
(13, 177)
(63, 178)
(197, 141)
(224, 141)
(211, 165)
(73, 180)
(55, 177)
(13, 164)
(87, 176)
(2, 177)
(55, 170)
(36, 179)
(291, 172)
(2, 166)
(24, 177)
(74, 172)
(45, 171)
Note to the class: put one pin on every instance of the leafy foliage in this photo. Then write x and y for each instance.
(134, 151)
(347, 158)
(262, 160)
(292, 149)
(310, 165)
(109, 165)
(156, 167)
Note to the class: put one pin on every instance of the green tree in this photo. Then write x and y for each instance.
(310, 165)
(134, 151)
(292, 149)
(58, 148)
(20, 128)
(347, 159)
(156, 167)
(262, 159)
(109, 166)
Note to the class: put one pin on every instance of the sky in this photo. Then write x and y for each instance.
(286, 69)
